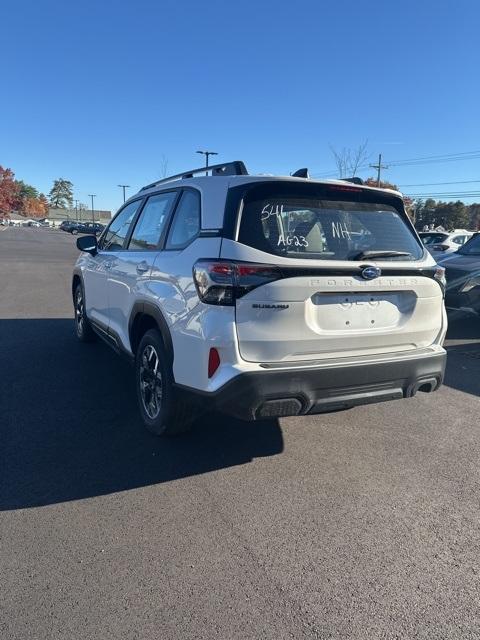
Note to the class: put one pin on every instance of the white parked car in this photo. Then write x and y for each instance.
(263, 296)
(441, 243)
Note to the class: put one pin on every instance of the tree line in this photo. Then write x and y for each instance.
(17, 195)
(449, 215)
(436, 213)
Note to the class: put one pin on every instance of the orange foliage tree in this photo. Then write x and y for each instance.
(9, 192)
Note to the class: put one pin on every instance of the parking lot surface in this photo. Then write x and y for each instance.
(361, 524)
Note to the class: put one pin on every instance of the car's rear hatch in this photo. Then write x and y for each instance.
(324, 297)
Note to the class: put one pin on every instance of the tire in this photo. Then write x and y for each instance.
(162, 412)
(74, 232)
(83, 328)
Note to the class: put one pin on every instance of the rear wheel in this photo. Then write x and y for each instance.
(161, 411)
(83, 328)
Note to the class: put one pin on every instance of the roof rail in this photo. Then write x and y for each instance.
(353, 179)
(235, 168)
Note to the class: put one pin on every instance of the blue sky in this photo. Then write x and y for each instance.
(97, 91)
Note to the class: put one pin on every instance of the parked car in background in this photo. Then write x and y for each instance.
(462, 270)
(93, 227)
(86, 227)
(66, 225)
(440, 243)
(74, 227)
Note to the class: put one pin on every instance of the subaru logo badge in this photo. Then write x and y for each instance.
(370, 273)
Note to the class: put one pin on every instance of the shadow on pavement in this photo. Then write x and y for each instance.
(70, 429)
(463, 360)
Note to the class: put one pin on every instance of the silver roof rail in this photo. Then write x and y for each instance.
(235, 168)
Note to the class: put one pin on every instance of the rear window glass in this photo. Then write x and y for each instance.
(433, 238)
(325, 229)
(472, 247)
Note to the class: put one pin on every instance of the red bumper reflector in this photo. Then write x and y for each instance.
(213, 361)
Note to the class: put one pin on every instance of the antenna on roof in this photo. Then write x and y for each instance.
(301, 173)
(353, 179)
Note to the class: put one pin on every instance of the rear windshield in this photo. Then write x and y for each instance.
(472, 247)
(432, 238)
(325, 229)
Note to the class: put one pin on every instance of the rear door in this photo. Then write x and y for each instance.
(129, 273)
(334, 295)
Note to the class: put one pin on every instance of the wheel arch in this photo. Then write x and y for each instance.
(76, 280)
(145, 316)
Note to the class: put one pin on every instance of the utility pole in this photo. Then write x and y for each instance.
(379, 167)
(207, 154)
(92, 196)
(76, 209)
(124, 186)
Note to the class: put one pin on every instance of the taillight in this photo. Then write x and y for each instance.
(213, 361)
(222, 282)
(440, 277)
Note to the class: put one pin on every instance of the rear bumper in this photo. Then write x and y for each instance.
(279, 393)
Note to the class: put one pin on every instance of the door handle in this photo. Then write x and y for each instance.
(142, 267)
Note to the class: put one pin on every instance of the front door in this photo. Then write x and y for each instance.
(110, 247)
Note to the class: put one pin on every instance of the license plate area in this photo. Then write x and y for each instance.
(358, 311)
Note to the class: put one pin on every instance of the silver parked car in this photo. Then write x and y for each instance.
(441, 243)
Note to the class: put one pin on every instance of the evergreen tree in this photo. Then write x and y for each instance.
(61, 194)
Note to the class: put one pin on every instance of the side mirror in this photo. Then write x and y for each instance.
(88, 244)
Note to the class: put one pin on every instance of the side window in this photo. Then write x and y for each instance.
(117, 231)
(459, 239)
(152, 220)
(186, 223)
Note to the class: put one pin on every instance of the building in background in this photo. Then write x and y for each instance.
(55, 216)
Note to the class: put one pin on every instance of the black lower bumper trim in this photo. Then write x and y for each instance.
(274, 393)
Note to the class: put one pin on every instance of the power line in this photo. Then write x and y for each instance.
(437, 161)
(428, 184)
(443, 155)
(445, 194)
(447, 157)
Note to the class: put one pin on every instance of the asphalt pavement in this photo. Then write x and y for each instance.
(361, 524)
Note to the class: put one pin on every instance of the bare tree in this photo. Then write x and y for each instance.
(163, 166)
(348, 161)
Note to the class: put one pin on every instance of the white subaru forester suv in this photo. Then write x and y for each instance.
(263, 296)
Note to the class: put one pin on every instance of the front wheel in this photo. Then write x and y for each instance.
(161, 411)
(83, 328)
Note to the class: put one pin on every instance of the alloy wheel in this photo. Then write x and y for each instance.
(151, 385)
(79, 312)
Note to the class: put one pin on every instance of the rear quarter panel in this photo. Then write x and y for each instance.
(193, 326)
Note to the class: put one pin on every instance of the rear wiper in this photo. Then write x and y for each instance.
(379, 254)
